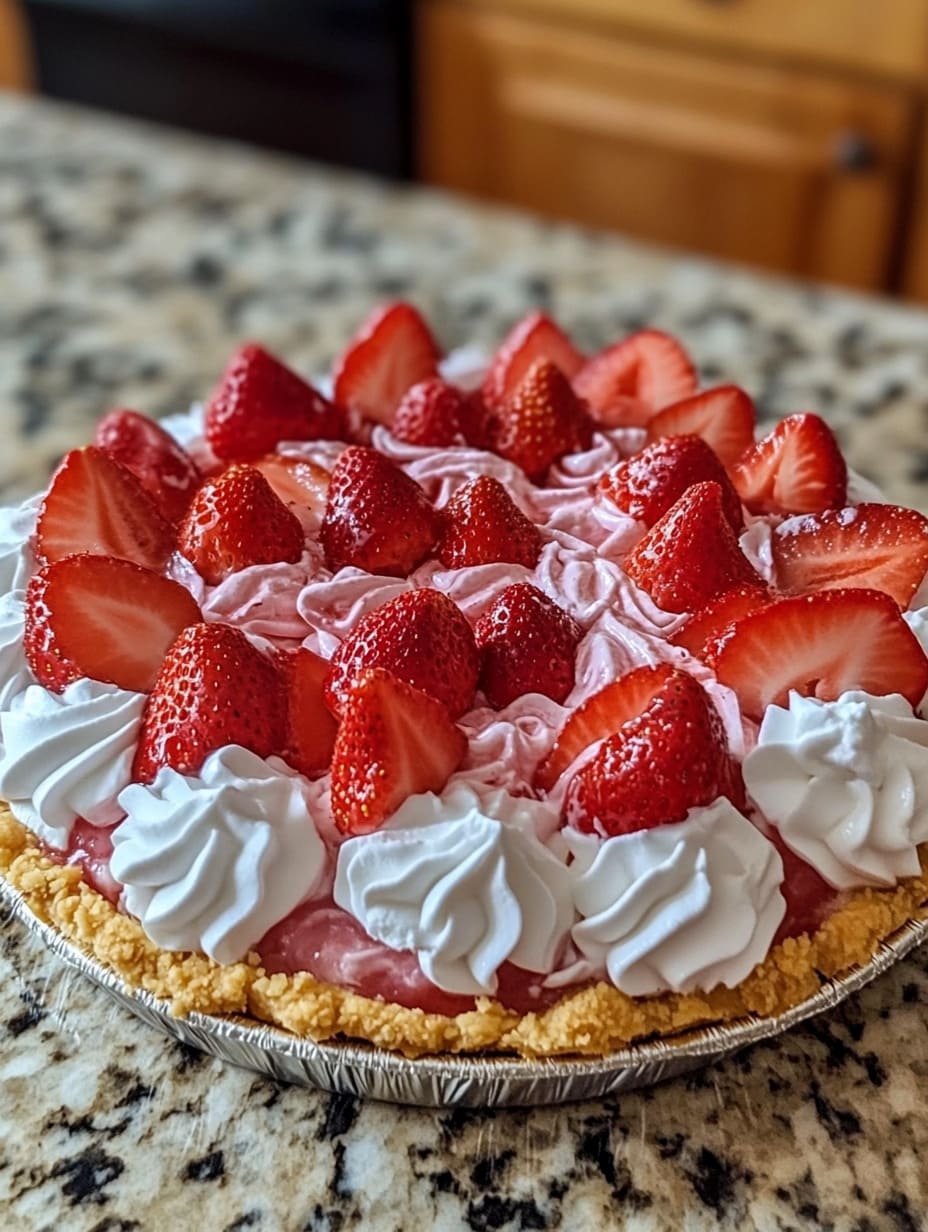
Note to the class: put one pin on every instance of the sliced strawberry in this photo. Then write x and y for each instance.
(303, 486)
(483, 524)
(540, 422)
(165, 470)
(648, 483)
(430, 413)
(214, 688)
(691, 556)
(259, 401)
(311, 725)
(600, 716)
(376, 517)
(705, 631)
(421, 637)
(108, 619)
(796, 468)
(394, 741)
(527, 645)
(393, 350)
(628, 382)
(533, 338)
(671, 757)
(236, 521)
(881, 547)
(821, 645)
(724, 417)
(95, 505)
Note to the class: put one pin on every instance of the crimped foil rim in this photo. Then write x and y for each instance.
(446, 1081)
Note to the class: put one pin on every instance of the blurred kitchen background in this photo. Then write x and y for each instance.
(788, 134)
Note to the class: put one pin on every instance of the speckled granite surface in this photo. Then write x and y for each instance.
(130, 263)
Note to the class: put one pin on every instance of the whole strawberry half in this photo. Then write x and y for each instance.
(628, 382)
(527, 645)
(533, 338)
(671, 757)
(303, 486)
(421, 637)
(393, 350)
(430, 413)
(214, 688)
(648, 483)
(540, 422)
(165, 470)
(236, 520)
(691, 555)
(394, 741)
(311, 725)
(259, 401)
(796, 468)
(482, 524)
(724, 417)
(376, 517)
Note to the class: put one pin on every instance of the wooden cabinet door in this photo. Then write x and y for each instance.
(772, 166)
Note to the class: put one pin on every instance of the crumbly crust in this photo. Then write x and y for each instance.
(592, 1022)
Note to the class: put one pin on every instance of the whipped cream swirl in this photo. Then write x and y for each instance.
(846, 784)
(210, 862)
(68, 755)
(917, 620)
(17, 526)
(14, 670)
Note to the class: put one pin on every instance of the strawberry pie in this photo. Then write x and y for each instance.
(535, 705)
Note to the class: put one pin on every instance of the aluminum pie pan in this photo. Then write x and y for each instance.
(491, 1081)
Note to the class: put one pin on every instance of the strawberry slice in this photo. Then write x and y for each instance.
(628, 382)
(421, 637)
(430, 413)
(533, 338)
(165, 470)
(671, 757)
(540, 422)
(600, 716)
(311, 726)
(796, 468)
(821, 645)
(527, 645)
(108, 619)
(724, 417)
(214, 688)
(648, 483)
(95, 505)
(691, 555)
(394, 741)
(376, 517)
(393, 350)
(705, 631)
(483, 524)
(236, 521)
(881, 547)
(301, 485)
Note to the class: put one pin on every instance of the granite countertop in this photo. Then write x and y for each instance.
(131, 262)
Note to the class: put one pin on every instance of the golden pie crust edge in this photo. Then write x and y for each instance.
(593, 1022)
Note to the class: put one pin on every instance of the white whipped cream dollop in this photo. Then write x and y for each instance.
(68, 755)
(846, 784)
(681, 907)
(465, 883)
(15, 675)
(17, 526)
(210, 862)
(917, 620)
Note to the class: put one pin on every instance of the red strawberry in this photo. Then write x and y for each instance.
(107, 619)
(882, 547)
(821, 645)
(421, 637)
(649, 482)
(95, 505)
(527, 645)
(691, 556)
(534, 337)
(628, 382)
(166, 472)
(705, 631)
(303, 486)
(483, 524)
(394, 741)
(540, 422)
(797, 468)
(671, 757)
(476, 420)
(259, 401)
(600, 716)
(214, 688)
(376, 517)
(809, 898)
(236, 521)
(311, 725)
(430, 414)
(392, 351)
(724, 418)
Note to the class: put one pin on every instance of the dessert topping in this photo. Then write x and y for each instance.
(628, 382)
(165, 470)
(303, 486)
(540, 421)
(533, 338)
(482, 525)
(706, 630)
(723, 417)
(393, 350)
(311, 725)
(796, 468)
(527, 645)
(430, 413)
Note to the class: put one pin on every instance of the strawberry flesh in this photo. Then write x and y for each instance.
(796, 468)
(311, 726)
(430, 413)
(533, 338)
(482, 524)
(301, 485)
(724, 417)
(527, 645)
(705, 631)
(165, 470)
(628, 382)
(541, 421)
(393, 350)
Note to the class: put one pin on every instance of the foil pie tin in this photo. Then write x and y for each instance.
(467, 1081)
